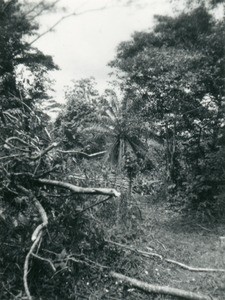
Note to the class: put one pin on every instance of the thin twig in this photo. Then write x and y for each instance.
(46, 150)
(86, 155)
(64, 18)
(193, 269)
(144, 253)
(45, 259)
(88, 262)
(93, 205)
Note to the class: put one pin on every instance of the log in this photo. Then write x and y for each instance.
(158, 289)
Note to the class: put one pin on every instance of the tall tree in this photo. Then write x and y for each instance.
(175, 76)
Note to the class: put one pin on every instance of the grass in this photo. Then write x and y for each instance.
(144, 224)
(176, 237)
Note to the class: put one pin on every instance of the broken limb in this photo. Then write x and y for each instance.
(46, 150)
(26, 265)
(78, 189)
(15, 138)
(41, 211)
(148, 254)
(193, 269)
(45, 259)
(44, 218)
(152, 288)
(93, 205)
(144, 253)
(36, 237)
(85, 155)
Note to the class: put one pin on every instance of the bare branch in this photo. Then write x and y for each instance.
(148, 254)
(93, 205)
(44, 218)
(193, 269)
(26, 265)
(53, 145)
(80, 190)
(15, 138)
(144, 253)
(41, 211)
(36, 237)
(88, 262)
(44, 8)
(64, 18)
(45, 259)
(9, 156)
(8, 145)
(93, 155)
(152, 288)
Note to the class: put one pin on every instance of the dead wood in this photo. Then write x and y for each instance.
(144, 253)
(183, 266)
(80, 190)
(152, 288)
(83, 154)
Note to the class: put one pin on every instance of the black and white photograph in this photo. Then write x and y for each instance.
(112, 149)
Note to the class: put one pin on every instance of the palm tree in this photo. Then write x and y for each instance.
(122, 133)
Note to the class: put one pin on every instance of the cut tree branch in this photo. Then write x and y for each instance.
(36, 236)
(93, 205)
(88, 156)
(78, 189)
(15, 138)
(46, 150)
(26, 265)
(152, 288)
(144, 253)
(193, 269)
(45, 259)
(183, 266)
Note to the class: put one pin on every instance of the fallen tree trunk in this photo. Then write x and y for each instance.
(152, 288)
(80, 190)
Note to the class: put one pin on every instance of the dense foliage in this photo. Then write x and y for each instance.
(175, 76)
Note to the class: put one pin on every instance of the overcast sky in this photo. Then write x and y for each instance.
(83, 45)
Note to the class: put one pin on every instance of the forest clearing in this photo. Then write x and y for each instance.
(117, 194)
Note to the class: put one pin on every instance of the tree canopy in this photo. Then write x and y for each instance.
(175, 76)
